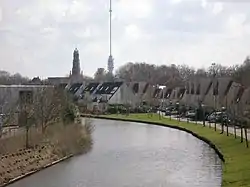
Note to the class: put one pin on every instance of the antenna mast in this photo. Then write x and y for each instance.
(110, 27)
(110, 59)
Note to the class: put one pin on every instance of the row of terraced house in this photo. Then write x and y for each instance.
(213, 93)
(222, 92)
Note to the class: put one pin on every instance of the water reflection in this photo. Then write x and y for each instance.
(135, 155)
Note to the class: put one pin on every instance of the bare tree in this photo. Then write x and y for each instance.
(84, 102)
(26, 112)
(5, 108)
(100, 75)
(201, 72)
(241, 73)
(47, 106)
(7, 79)
(185, 72)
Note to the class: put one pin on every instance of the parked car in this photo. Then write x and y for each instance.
(212, 117)
(168, 112)
(174, 112)
(190, 114)
(220, 117)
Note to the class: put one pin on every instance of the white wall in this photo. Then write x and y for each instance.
(9, 95)
(124, 95)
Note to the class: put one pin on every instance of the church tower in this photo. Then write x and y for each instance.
(76, 75)
(76, 70)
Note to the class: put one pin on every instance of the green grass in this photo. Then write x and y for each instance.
(236, 169)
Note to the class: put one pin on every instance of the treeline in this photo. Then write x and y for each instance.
(7, 79)
(169, 75)
(175, 75)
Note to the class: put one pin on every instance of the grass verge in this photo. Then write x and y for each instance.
(236, 169)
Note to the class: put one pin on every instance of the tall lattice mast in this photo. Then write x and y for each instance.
(110, 59)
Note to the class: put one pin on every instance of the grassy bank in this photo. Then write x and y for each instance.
(236, 169)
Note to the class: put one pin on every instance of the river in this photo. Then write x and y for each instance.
(127, 154)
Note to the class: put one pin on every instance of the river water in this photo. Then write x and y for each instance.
(135, 155)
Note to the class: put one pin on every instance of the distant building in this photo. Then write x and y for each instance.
(36, 81)
(58, 80)
(74, 77)
(100, 94)
(11, 95)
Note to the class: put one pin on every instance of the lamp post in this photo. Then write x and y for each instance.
(236, 109)
(214, 94)
(222, 120)
(170, 102)
(178, 110)
(203, 112)
(163, 100)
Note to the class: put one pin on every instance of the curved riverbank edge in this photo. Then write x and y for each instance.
(33, 172)
(211, 144)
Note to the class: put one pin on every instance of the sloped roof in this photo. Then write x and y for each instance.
(91, 87)
(156, 92)
(198, 89)
(168, 93)
(75, 87)
(181, 92)
(239, 94)
(187, 87)
(192, 88)
(209, 87)
(224, 85)
(136, 87)
(145, 88)
(109, 87)
(216, 88)
(95, 99)
(228, 87)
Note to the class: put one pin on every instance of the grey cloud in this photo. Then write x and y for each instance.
(48, 43)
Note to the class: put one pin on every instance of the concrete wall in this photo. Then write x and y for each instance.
(9, 94)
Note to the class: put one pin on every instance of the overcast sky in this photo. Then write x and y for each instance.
(37, 37)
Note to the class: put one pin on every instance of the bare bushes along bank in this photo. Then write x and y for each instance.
(43, 139)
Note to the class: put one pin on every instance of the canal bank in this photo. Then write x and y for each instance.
(45, 149)
(35, 171)
(236, 170)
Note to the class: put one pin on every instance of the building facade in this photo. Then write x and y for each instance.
(75, 75)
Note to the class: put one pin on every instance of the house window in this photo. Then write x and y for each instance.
(26, 97)
(114, 90)
(145, 88)
(136, 88)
